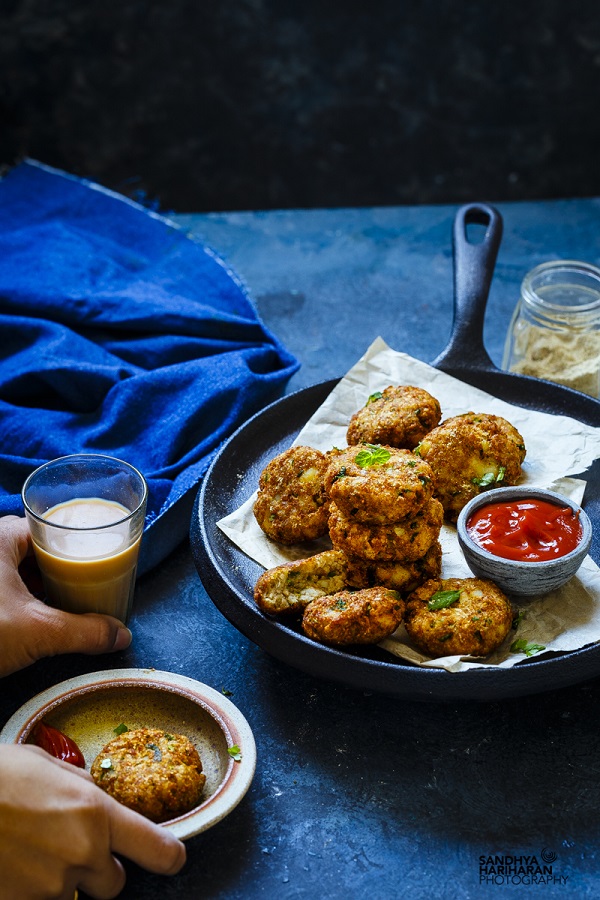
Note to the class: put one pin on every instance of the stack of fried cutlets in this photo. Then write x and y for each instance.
(383, 516)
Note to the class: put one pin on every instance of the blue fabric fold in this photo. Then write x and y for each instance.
(121, 335)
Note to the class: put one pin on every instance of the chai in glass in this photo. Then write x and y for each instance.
(86, 517)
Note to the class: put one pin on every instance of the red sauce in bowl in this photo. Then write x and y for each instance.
(58, 744)
(528, 530)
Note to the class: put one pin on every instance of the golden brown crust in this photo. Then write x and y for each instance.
(408, 540)
(359, 617)
(474, 625)
(291, 506)
(396, 574)
(289, 588)
(399, 417)
(152, 772)
(471, 453)
(382, 493)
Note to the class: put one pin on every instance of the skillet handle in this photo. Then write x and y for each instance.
(473, 270)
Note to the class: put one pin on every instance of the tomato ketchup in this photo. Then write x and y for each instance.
(527, 530)
(58, 744)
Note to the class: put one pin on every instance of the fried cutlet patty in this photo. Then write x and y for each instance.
(378, 485)
(407, 540)
(398, 416)
(289, 588)
(398, 575)
(359, 617)
(475, 621)
(471, 453)
(291, 506)
(152, 772)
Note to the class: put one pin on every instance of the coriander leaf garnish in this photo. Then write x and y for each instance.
(371, 455)
(526, 647)
(235, 752)
(485, 480)
(226, 692)
(518, 619)
(443, 599)
(120, 729)
(339, 474)
(490, 478)
(376, 396)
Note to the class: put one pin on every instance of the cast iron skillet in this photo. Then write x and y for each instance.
(229, 575)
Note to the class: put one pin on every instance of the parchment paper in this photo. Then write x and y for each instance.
(558, 447)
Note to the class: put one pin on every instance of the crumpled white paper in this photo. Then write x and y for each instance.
(557, 447)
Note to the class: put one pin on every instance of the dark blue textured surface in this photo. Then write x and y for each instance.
(356, 795)
(332, 280)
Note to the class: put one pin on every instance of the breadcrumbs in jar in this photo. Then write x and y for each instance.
(555, 329)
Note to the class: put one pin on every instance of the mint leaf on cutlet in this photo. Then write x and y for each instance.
(371, 455)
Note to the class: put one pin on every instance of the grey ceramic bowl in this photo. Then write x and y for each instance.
(524, 579)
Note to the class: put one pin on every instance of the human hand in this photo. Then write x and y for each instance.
(29, 629)
(59, 832)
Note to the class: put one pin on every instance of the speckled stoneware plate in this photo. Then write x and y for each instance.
(88, 709)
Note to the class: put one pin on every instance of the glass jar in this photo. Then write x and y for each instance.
(555, 329)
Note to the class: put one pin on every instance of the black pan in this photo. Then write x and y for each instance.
(229, 575)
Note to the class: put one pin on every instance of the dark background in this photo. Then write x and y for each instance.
(207, 105)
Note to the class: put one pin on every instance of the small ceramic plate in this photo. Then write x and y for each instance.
(88, 709)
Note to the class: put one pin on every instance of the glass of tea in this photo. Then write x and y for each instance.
(86, 518)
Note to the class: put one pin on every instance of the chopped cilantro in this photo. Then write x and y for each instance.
(235, 752)
(526, 647)
(339, 474)
(517, 619)
(490, 478)
(443, 599)
(120, 729)
(485, 480)
(376, 396)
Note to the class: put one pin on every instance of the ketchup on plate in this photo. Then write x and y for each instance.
(58, 744)
(528, 530)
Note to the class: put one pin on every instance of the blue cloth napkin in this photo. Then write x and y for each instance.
(120, 335)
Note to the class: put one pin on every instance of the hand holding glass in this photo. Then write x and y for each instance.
(86, 517)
